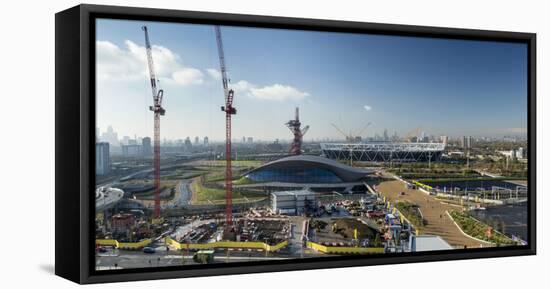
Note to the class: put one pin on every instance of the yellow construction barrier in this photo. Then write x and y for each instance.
(224, 244)
(123, 245)
(422, 185)
(344, 250)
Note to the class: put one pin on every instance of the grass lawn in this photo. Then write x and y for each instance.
(217, 195)
(411, 213)
(478, 229)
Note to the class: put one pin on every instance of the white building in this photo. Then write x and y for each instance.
(293, 202)
(520, 153)
(425, 243)
(444, 140)
(513, 154)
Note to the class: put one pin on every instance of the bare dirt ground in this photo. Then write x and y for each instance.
(432, 210)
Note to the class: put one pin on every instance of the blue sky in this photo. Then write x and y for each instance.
(447, 87)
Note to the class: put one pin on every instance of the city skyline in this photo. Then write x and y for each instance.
(137, 139)
(400, 83)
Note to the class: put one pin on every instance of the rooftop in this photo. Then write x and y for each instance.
(344, 172)
(428, 243)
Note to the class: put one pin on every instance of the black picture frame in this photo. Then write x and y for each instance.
(75, 136)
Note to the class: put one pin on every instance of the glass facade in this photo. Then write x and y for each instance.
(294, 175)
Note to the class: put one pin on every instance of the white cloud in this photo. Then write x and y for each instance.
(275, 92)
(278, 92)
(367, 107)
(242, 87)
(214, 73)
(187, 76)
(129, 63)
(116, 63)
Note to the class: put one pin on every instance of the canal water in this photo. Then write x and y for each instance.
(508, 219)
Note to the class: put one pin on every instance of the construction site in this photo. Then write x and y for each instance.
(238, 202)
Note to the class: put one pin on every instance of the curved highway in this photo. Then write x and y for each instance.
(106, 198)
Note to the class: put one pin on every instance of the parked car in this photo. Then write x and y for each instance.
(148, 250)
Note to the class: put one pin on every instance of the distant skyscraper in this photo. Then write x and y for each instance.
(102, 158)
(467, 142)
(205, 141)
(463, 142)
(125, 140)
(146, 147)
(110, 136)
(250, 140)
(197, 140)
(395, 137)
(188, 144)
(244, 139)
(444, 140)
(386, 136)
(131, 150)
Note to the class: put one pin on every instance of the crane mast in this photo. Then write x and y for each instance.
(229, 110)
(158, 110)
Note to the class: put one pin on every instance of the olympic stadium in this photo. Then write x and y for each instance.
(384, 151)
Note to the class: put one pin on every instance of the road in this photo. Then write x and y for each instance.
(108, 199)
(432, 210)
(119, 259)
(182, 197)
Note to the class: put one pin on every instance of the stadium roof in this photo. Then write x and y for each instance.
(344, 172)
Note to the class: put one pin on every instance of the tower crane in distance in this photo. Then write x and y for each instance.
(229, 110)
(350, 137)
(413, 135)
(157, 110)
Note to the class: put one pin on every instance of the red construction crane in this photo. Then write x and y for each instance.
(157, 109)
(295, 127)
(229, 110)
